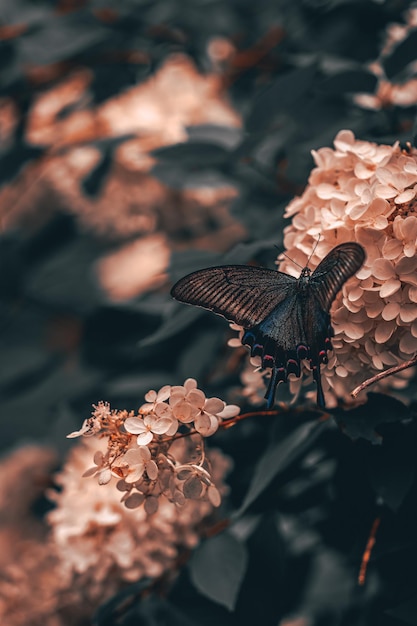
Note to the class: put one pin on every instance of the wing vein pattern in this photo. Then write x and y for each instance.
(242, 294)
(335, 269)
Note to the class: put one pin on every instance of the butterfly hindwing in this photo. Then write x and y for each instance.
(242, 294)
(298, 328)
(334, 270)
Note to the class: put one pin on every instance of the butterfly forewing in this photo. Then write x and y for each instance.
(334, 270)
(242, 294)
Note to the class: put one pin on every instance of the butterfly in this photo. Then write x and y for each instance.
(285, 319)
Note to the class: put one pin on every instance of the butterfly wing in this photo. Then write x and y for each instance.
(241, 293)
(334, 270)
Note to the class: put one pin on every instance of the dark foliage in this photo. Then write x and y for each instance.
(304, 492)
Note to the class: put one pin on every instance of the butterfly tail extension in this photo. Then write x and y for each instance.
(320, 395)
(277, 376)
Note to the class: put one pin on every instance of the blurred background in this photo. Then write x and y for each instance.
(140, 140)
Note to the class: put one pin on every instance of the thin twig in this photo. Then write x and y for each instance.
(217, 528)
(238, 418)
(382, 375)
(228, 423)
(368, 551)
(224, 425)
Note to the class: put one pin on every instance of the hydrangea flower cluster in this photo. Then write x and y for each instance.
(100, 543)
(364, 192)
(392, 93)
(159, 453)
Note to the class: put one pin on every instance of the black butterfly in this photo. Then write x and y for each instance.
(286, 319)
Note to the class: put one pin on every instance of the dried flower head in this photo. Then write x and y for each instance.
(144, 452)
(364, 192)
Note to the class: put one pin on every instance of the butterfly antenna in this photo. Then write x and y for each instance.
(292, 260)
(295, 262)
(314, 249)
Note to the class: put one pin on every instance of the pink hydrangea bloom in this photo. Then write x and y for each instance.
(95, 535)
(146, 452)
(364, 192)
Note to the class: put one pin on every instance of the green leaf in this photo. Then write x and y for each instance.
(403, 54)
(280, 96)
(218, 567)
(226, 136)
(350, 81)
(277, 458)
(60, 37)
(172, 325)
(391, 468)
(363, 421)
(192, 154)
(406, 612)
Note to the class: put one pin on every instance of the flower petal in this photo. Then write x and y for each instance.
(353, 331)
(390, 311)
(383, 269)
(389, 288)
(184, 412)
(406, 265)
(163, 393)
(90, 472)
(135, 473)
(384, 331)
(136, 455)
(135, 425)
(214, 496)
(408, 344)
(196, 397)
(405, 196)
(206, 424)
(152, 470)
(173, 428)
(144, 438)
(230, 410)
(408, 313)
(214, 405)
(161, 426)
(151, 396)
(104, 476)
(98, 457)
(162, 409)
(189, 384)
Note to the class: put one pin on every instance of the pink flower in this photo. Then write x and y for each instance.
(107, 540)
(138, 460)
(155, 399)
(190, 404)
(185, 401)
(144, 453)
(150, 425)
(100, 469)
(364, 192)
(387, 94)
